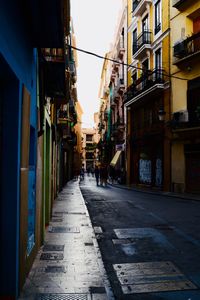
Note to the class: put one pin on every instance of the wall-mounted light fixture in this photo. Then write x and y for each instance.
(161, 114)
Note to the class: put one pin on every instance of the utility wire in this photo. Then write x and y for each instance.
(122, 63)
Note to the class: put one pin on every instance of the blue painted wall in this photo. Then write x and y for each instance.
(18, 61)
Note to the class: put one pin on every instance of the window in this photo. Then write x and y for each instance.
(89, 137)
(134, 47)
(146, 34)
(89, 155)
(134, 5)
(158, 64)
(157, 17)
(145, 25)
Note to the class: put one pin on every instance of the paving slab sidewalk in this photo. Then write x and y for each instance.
(69, 265)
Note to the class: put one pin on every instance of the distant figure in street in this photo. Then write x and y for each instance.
(96, 172)
(103, 175)
(92, 171)
(88, 171)
(112, 174)
(82, 173)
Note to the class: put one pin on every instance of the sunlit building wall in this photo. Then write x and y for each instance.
(185, 64)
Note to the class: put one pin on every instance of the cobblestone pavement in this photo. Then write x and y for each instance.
(69, 265)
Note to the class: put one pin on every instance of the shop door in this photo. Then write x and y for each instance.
(1, 131)
(192, 161)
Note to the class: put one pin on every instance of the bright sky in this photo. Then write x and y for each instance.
(94, 26)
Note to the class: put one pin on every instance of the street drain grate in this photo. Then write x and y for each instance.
(51, 247)
(63, 229)
(149, 277)
(97, 290)
(55, 269)
(51, 256)
(62, 297)
(56, 219)
(75, 213)
(89, 244)
(123, 241)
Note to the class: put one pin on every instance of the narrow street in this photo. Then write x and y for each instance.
(149, 243)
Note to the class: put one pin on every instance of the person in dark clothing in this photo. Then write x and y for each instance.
(112, 174)
(103, 175)
(96, 172)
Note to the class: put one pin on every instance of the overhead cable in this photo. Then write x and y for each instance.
(124, 64)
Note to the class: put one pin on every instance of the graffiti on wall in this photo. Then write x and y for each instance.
(158, 172)
(145, 171)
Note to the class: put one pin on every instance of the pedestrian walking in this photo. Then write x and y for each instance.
(82, 173)
(103, 175)
(96, 172)
(112, 174)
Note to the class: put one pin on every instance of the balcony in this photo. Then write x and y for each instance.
(142, 45)
(74, 94)
(113, 75)
(54, 71)
(72, 69)
(116, 66)
(149, 84)
(120, 48)
(116, 96)
(117, 132)
(112, 102)
(139, 7)
(120, 86)
(187, 49)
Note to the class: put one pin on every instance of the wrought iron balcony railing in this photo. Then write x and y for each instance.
(53, 54)
(146, 81)
(144, 38)
(187, 47)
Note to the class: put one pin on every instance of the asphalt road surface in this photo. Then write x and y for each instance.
(150, 244)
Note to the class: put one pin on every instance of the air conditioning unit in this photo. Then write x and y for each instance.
(181, 116)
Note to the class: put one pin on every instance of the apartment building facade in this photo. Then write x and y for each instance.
(185, 54)
(111, 93)
(90, 139)
(148, 93)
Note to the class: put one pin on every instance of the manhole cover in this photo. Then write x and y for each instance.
(55, 269)
(50, 247)
(51, 256)
(62, 229)
(62, 297)
(149, 277)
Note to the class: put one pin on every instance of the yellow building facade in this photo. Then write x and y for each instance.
(148, 93)
(185, 98)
